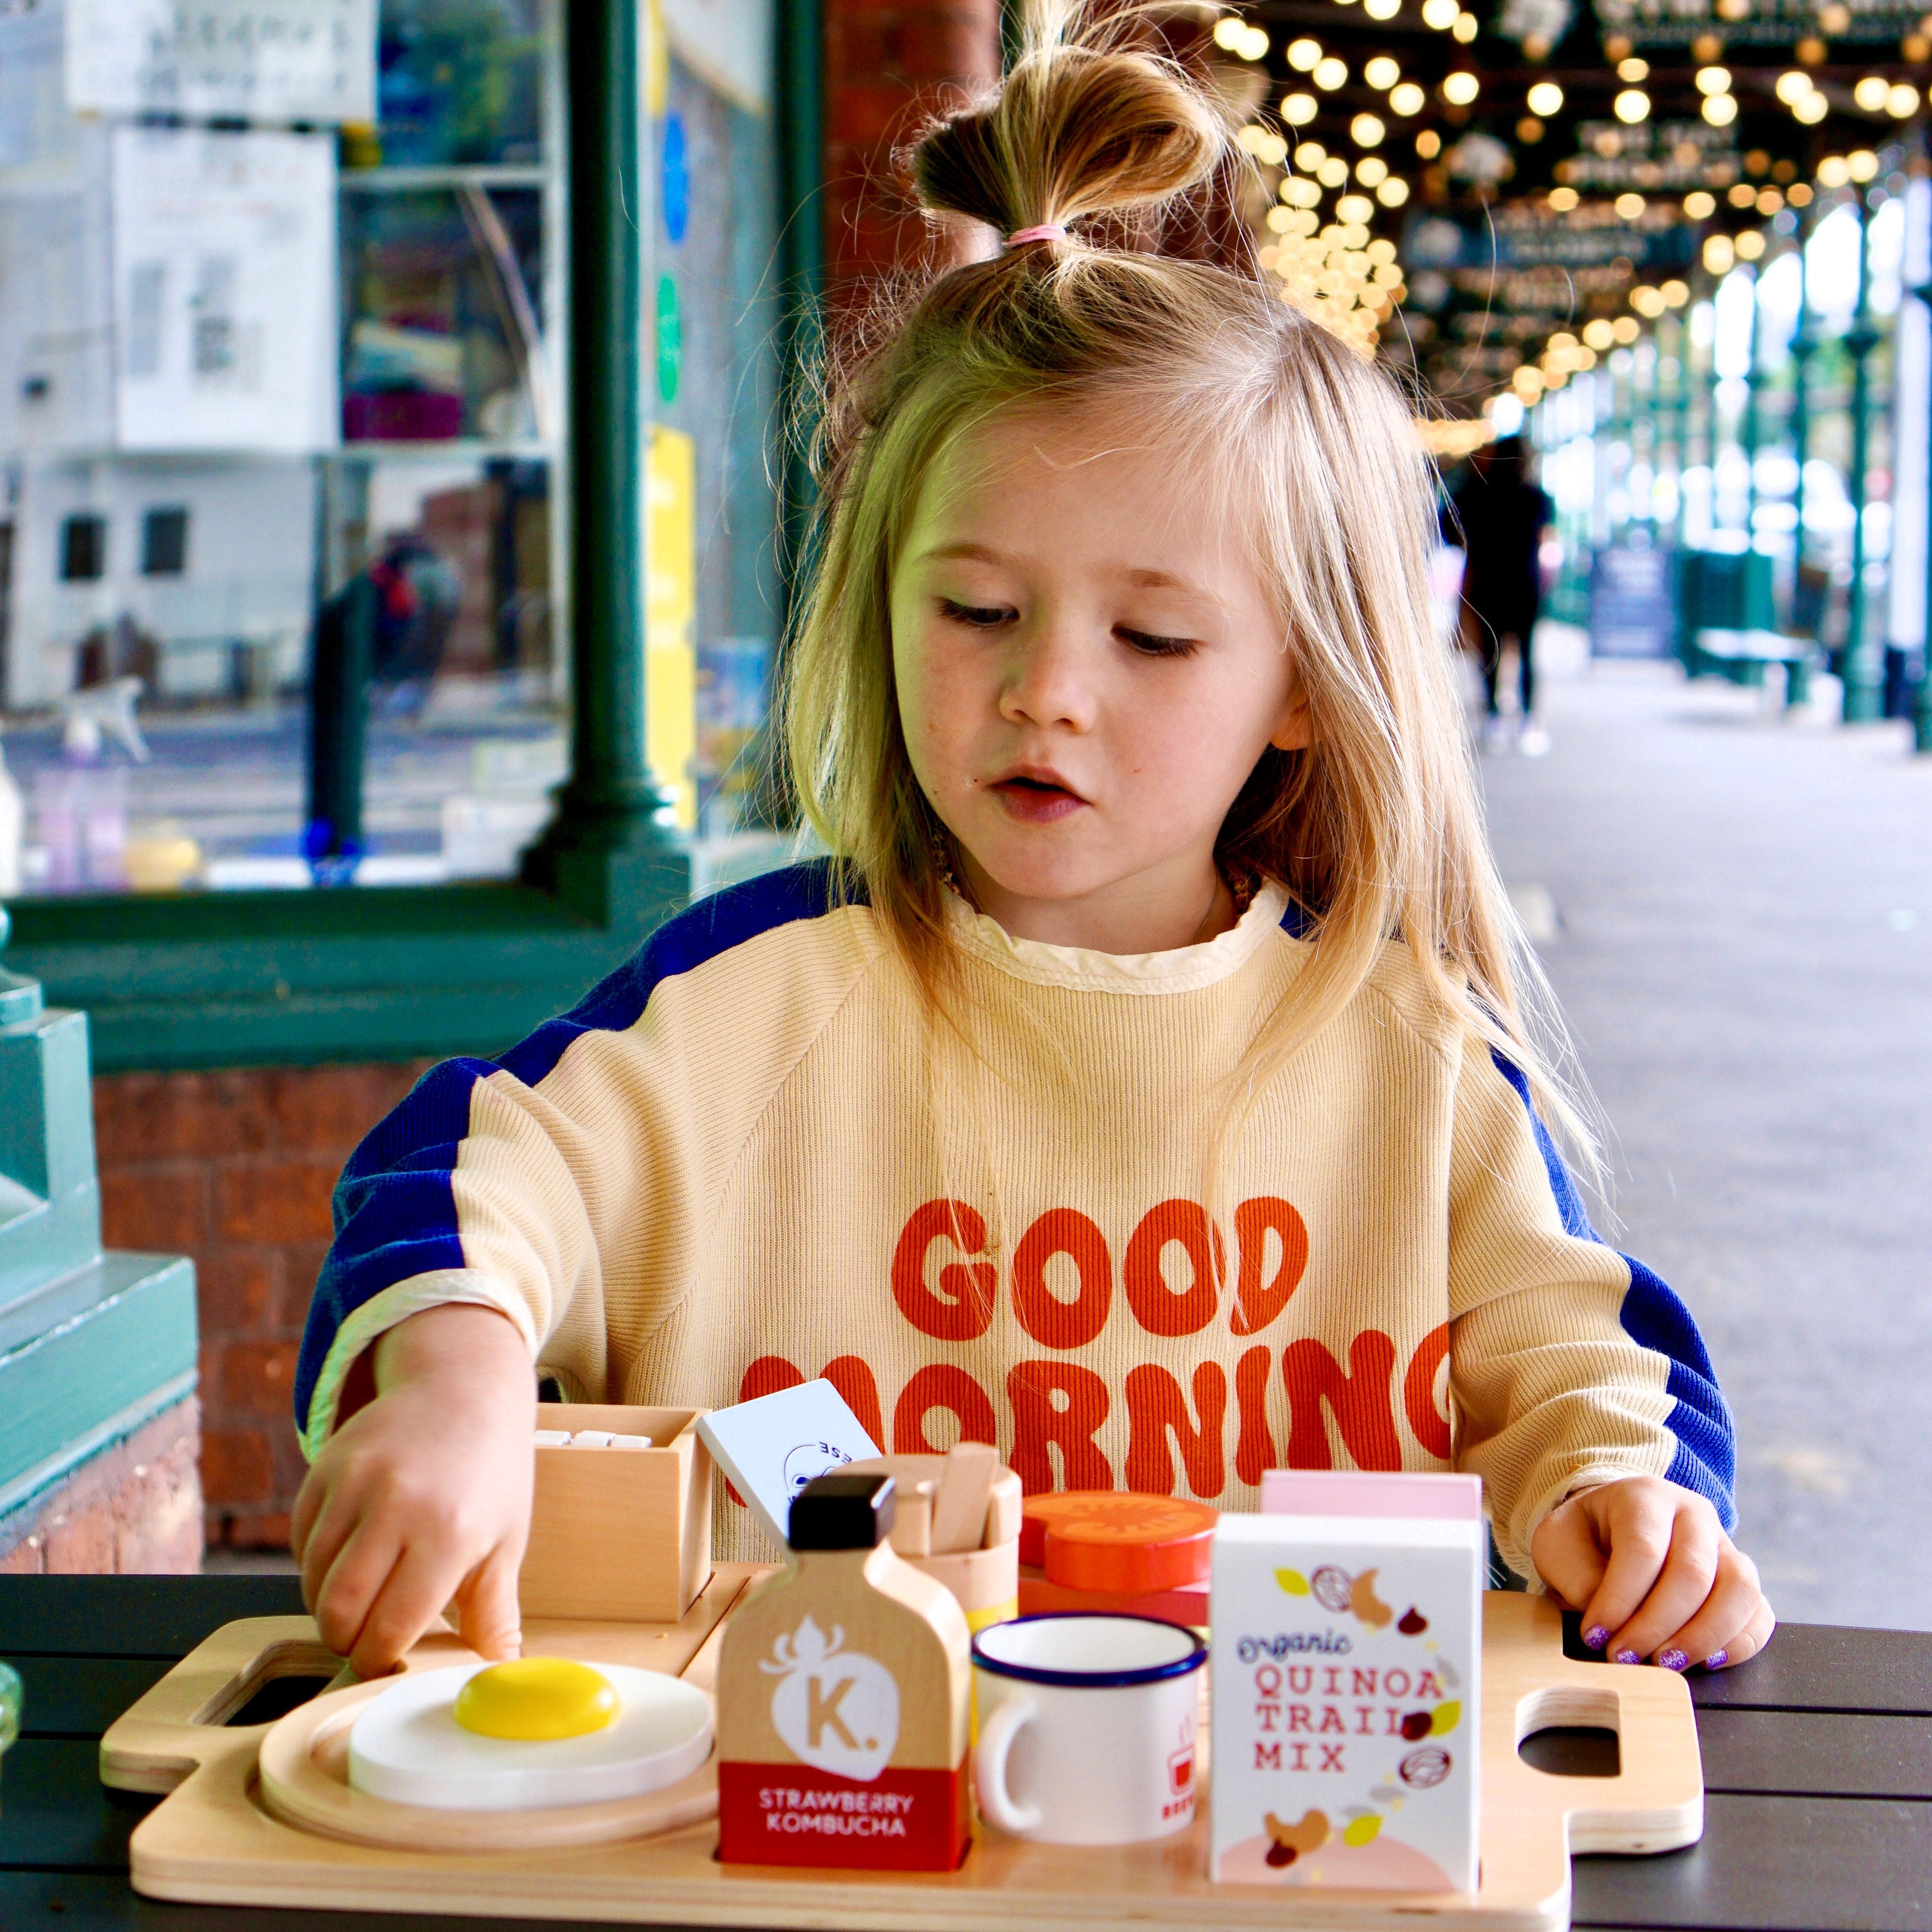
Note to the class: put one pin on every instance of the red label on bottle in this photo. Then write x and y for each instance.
(790, 1814)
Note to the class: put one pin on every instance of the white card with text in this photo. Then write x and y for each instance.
(770, 1448)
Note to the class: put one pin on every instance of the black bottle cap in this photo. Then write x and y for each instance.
(844, 1512)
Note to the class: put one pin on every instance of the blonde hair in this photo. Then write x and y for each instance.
(1375, 828)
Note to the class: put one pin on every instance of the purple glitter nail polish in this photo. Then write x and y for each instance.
(1673, 1659)
(1595, 1637)
(1626, 1656)
(1717, 1659)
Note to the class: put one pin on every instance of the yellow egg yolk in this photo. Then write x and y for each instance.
(535, 1697)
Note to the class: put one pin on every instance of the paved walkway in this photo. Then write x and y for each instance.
(1744, 953)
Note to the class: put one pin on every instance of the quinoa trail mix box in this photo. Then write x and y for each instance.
(1347, 1702)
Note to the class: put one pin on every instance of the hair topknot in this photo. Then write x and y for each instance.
(1085, 123)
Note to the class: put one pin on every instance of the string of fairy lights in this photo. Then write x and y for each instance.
(1566, 354)
(1319, 243)
(1334, 269)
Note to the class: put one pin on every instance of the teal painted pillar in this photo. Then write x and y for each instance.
(607, 853)
(1861, 670)
(93, 1346)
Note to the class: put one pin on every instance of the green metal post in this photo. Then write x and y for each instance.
(1623, 423)
(1921, 708)
(1804, 347)
(1747, 434)
(1643, 417)
(801, 68)
(1676, 408)
(1860, 672)
(1707, 383)
(606, 854)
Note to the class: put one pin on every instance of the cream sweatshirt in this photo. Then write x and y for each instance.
(747, 1159)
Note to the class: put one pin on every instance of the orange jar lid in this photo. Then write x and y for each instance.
(1118, 1541)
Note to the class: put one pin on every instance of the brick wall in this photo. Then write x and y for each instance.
(887, 63)
(134, 1510)
(235, 1169)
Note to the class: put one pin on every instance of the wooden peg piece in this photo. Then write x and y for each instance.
(912, 1527)
(959, 1510)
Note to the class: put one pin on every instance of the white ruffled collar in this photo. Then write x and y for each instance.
(1185, 970)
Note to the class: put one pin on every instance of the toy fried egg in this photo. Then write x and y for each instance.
(531, 1733)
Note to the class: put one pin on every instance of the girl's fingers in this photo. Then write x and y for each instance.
(1748, 1643)
(335, 1522)
(1568, 1558)
(309, 1500)
(492, 1622)
(1684, 1577)
(1724, 1615)
(341, 1605)
(411, 1595)
(1638, 1530)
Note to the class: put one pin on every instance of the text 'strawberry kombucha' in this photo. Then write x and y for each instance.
(843, 1685)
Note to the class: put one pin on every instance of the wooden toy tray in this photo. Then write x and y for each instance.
(224, 1834)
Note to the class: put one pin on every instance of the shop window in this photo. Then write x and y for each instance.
(83, 550)
(192, 288)
(164, 543)
(315, 364)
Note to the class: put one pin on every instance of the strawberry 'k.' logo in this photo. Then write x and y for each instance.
(836, 1709)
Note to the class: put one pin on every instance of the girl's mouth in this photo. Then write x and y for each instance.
(1036, 801)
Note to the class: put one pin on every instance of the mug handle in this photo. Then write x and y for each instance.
(989, 1766)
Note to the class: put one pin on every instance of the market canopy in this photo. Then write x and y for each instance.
(1502, 198)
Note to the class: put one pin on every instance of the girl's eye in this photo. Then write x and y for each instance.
(1149, 645)
(981, 617)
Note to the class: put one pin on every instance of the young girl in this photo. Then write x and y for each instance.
(1145, 1085)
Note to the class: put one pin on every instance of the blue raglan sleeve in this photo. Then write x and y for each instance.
(1572, 1364)
(473, 1190)
(509, 1182)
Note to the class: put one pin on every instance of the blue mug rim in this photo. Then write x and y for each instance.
(1090, 1680)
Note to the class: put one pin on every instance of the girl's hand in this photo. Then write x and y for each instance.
(1653, 1574)
(423, 1495)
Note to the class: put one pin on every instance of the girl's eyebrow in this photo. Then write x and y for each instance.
(1141, 579)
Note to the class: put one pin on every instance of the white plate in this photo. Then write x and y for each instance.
(407, 1747)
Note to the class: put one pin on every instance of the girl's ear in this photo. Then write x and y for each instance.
(1293, 730)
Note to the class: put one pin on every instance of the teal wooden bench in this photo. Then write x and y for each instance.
(1741, 657)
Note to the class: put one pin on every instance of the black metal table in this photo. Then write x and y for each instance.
(1817, 1767)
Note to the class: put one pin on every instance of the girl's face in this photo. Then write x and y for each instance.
(1088, 672)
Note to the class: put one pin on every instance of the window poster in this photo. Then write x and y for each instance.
(255, 60)
(726, 43)
(224, 290)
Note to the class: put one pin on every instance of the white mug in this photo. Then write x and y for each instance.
(1087, 1727)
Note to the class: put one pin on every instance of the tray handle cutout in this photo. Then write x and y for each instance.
(292, 1657)
(182, 1721)
(1573, 1733)
(1653, 1800)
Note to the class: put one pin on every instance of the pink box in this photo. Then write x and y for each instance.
(1363, 1492)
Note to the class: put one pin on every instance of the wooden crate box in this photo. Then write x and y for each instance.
(619, 1535)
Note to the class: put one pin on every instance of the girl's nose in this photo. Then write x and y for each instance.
(1049, 680)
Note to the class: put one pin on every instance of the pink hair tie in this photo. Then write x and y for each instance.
(1047, 231)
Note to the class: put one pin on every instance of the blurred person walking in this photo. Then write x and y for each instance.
(1503, 516)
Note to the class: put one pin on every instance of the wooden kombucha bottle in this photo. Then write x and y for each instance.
(843, 1686)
